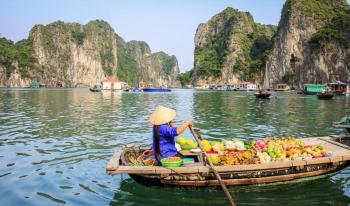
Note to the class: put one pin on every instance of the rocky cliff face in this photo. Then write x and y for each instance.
(74, 54)
(81, 56)
(310, 44)
(230, 47)
(138, 63)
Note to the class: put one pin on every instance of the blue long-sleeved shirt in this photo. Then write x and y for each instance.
(167, 136)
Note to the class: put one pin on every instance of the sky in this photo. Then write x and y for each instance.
(166, 25)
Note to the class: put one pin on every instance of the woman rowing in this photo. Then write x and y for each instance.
(164, 132)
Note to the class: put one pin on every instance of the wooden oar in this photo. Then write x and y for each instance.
(223, 186)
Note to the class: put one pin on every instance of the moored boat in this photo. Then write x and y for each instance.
(96, 88)
(263, 95)
(313, 89)
(200, 175)
(325, 95)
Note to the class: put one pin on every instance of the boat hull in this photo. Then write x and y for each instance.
(309, 93)
(325, 96)
(94, 90)
(240, 179)
(263, 95)
(156, 90)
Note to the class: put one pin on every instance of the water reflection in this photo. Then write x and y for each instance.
(241, 115)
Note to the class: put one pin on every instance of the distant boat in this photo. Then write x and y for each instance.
(263, 95)
(313, 89)
(156, 90)
(96, 88)
(137, 89)
(325, 95)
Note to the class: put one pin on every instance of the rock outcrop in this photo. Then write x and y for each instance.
(311, 44)
(81, 56)
(230, 47)
(137, 63)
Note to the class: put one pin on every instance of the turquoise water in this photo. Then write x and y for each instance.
(55, 144)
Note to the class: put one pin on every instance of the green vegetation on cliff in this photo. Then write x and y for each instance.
(331, 15)
(185, 78)
(336, 31)
(255, 46)
(166, 62)
(211, 57)
(12, 53)
(236, 32)
(74, 54)
(127, 65)
(320, 11)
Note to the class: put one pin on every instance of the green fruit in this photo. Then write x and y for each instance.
(193, 145)
(214, 159)
(212, 143)
(181, 140)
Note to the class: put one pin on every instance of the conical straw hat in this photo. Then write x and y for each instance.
(162, 115)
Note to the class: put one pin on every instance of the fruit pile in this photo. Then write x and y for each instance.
(261, 151)
(172, 159)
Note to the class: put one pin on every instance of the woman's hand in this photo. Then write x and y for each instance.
(182, 128)
(189, 123)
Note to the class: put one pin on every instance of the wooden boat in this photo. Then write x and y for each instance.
(156, 90)
(95, 89)
(325, 95)
(200, 175)
(263, 95)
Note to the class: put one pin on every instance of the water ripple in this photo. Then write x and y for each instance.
(54, 144)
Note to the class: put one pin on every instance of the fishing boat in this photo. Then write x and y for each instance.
(156, 90)
(325, 95)
(200, 174)
(137, 89)
(313, 89)
(263, 95)
(96, 88)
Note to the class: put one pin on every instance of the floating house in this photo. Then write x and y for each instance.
(247, 86)
(217, 87)
(310, 89)
(112, 84)
(34, 84)
(232, 87)
(282, 87)
(338, 87)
